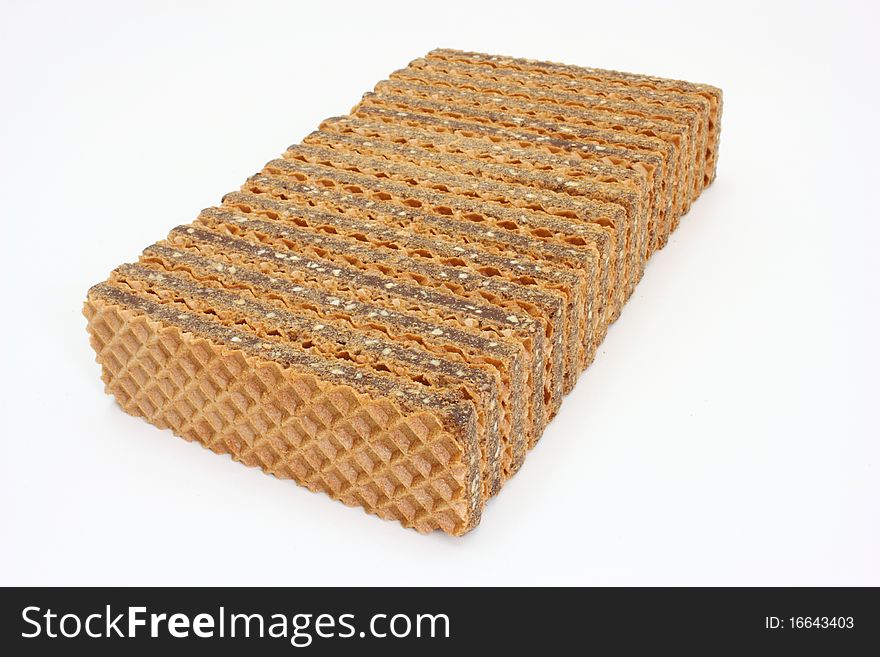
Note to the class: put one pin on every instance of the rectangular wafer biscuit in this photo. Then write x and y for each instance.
(392, 311)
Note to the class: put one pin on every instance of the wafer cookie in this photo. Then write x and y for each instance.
(392, 311)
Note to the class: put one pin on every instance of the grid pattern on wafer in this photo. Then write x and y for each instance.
(362, 451)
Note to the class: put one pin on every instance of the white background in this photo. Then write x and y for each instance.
(726, 434)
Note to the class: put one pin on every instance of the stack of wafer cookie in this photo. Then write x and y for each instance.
(392, 311)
